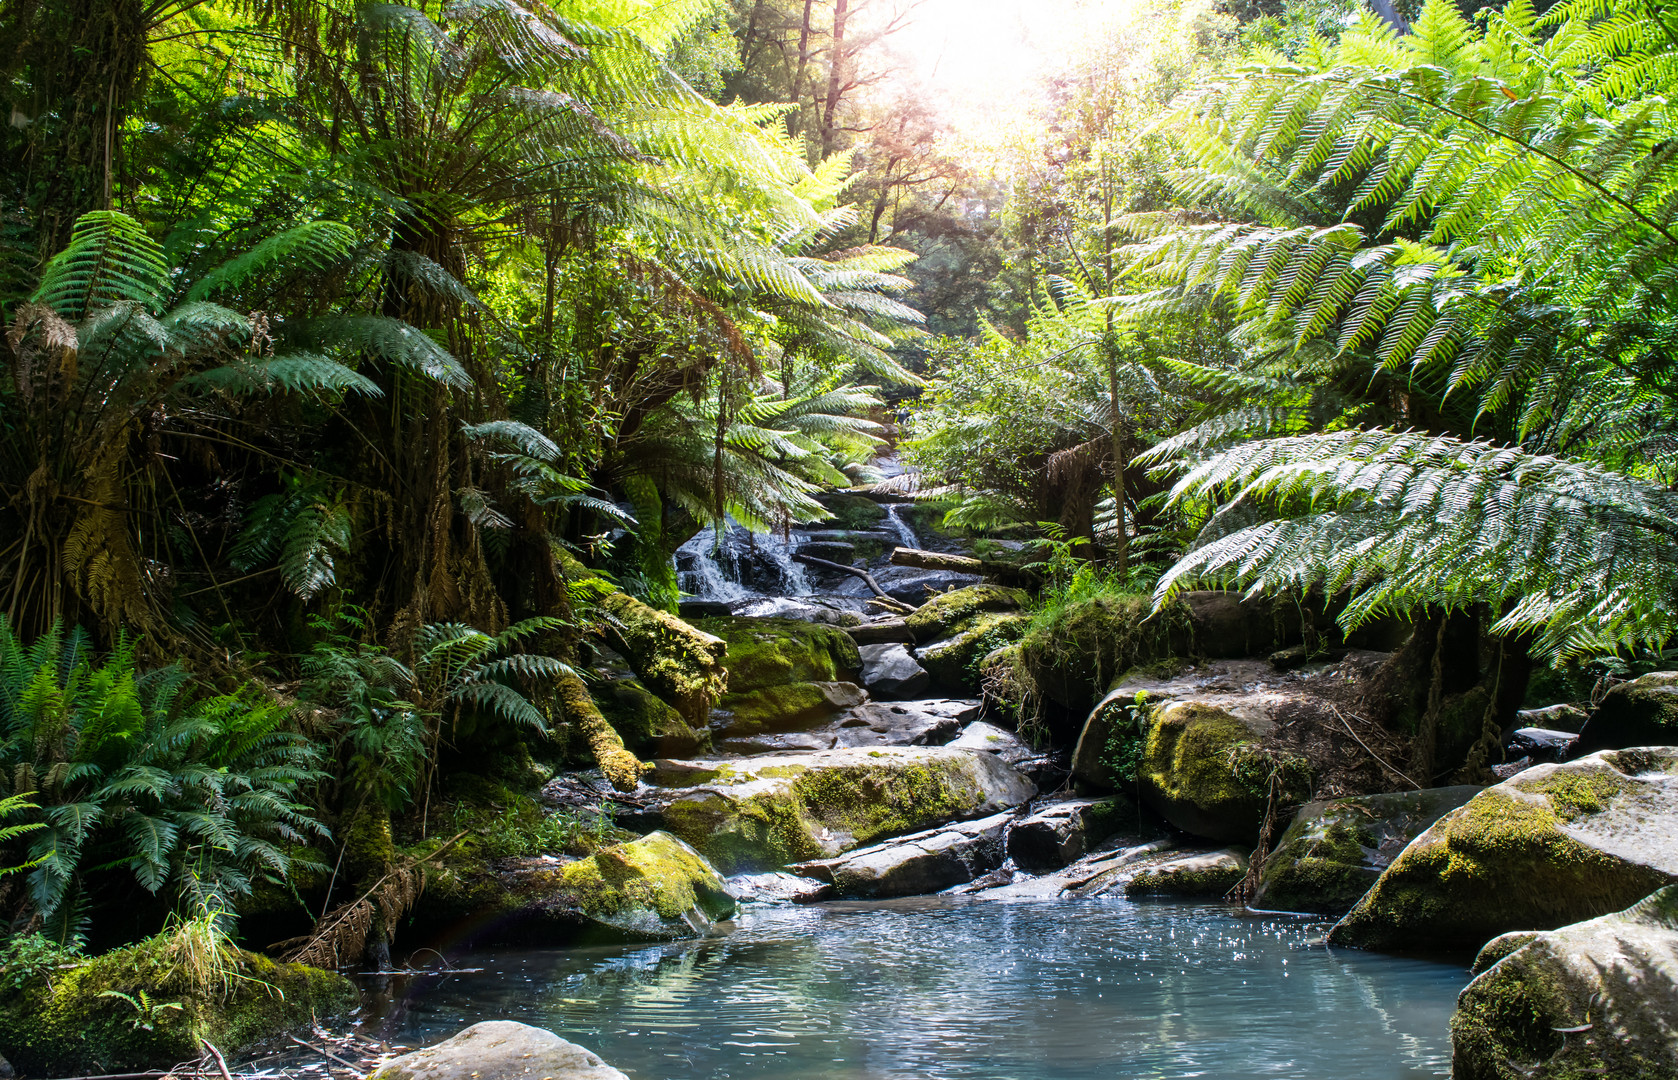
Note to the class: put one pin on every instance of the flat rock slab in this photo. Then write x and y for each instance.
(1592, 999)
(1103, 872)
(931, 722)
(980, 735)
(924, 862)
(1550, 846)
(764, 812)
(777, 887)
(500, 1050)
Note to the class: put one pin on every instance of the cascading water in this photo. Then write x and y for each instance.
(905, 535)
(739, 565)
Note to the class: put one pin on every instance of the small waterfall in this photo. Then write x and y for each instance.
(905, 535)
(739, 565)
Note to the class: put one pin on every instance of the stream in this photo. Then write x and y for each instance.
(935, 987)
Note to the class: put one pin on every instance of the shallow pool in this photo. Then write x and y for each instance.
(934, 988)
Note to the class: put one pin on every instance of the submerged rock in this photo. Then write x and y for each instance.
(1207, 874)
(891, 673)
(1597, 998)
(1642, 712)
(1060, 833)
(1550, 846)
(922, 862)
(764, 812)
(1336, 849)
(500, 1050)
(118, 1011)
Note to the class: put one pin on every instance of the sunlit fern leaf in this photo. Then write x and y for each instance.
(312, 246)
(109, 259)
(294, 373)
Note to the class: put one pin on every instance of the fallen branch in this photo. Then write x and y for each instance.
(962, 564)
(322, 1050)
(886, 600)
(221, 1062)
(1381, 760)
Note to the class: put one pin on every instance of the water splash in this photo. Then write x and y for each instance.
(740, 565)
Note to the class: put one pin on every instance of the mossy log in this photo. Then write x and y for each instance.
(679, 663)
(621, 767)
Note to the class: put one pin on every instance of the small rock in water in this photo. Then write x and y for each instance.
(777, 887)
(500, 1050)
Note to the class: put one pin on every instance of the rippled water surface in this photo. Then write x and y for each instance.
(929, 989)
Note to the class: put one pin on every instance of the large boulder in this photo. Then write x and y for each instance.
(763, 812)
(784, 674)
(679, 662)
(500, 1050)
(1642, 712)
(954, 661)
(652, 888)
(949, 612)
(1214, 769)
(1201, 874)
(1597, 998)
(1552, 845)
(891, 673)
(1060, 833)
(922, 862)
(137, 1008)
(1336, 848)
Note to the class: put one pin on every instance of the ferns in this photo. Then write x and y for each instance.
(109, 260)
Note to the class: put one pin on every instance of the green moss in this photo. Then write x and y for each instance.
(649, 725)
(656, 873)
(956, 662)
(1576, 794)
(774, 652)
(950, 612)
(681, 664)
(853, 511)
(782, 708)
(72, 1025)
(1073, 652)
(1209, 775)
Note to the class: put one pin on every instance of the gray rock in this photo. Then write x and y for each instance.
(1597, 998)
(762, 812)
(1540, 744)
(500, 1050)
(777, 887)
(783, 607)
(1060, 833)
(1550, 846)
(1006, 745)
(904, 723)
(1335, 849)
(923, 862)
(1203, 874)
(911, 586)
(1642, 712)
(891, 673)
(1563, 717)
(837, 551)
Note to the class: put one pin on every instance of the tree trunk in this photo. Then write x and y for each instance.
(962, 564)
(835, 77)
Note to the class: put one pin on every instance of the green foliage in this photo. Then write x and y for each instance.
(483, 675)
(382, 737)
(26, 957)
(139, 773)
(1127, 739)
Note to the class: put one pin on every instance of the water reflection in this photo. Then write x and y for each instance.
(933, 989)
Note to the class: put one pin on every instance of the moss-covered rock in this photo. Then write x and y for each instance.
(1642, 712)
(1592, 999)
(956, 662)
(1335, 849)
(763, 812)
(1203, 874)
(1073, 654)
(1211, 770)
(776, 652)
(949, 612)
(649, 725)
(1552, 845)
(135, 1008)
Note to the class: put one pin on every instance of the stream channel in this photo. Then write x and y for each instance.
(954, 986)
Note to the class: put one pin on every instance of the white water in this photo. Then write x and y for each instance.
(721, 567)
(905, 535)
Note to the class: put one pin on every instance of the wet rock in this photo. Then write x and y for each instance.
(783, 607)
(932, 722)
(1563, 717)
(891, 673)
(1336, 849)
(881, 632)
(1109, 873)
(791, 707)
(1642, 712)
(650, 726)
(778, 887)
(1060, 833)
(1540, 744)
(767, 811)
(1006, 745)
(1597, 998)
(836, 551)
(1551, 846)
(777, 652)
(923, 862)
(948, 613)
(914, 587)
(500, 1050)
(1209, 874)
(652, 888)
(954, 661)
